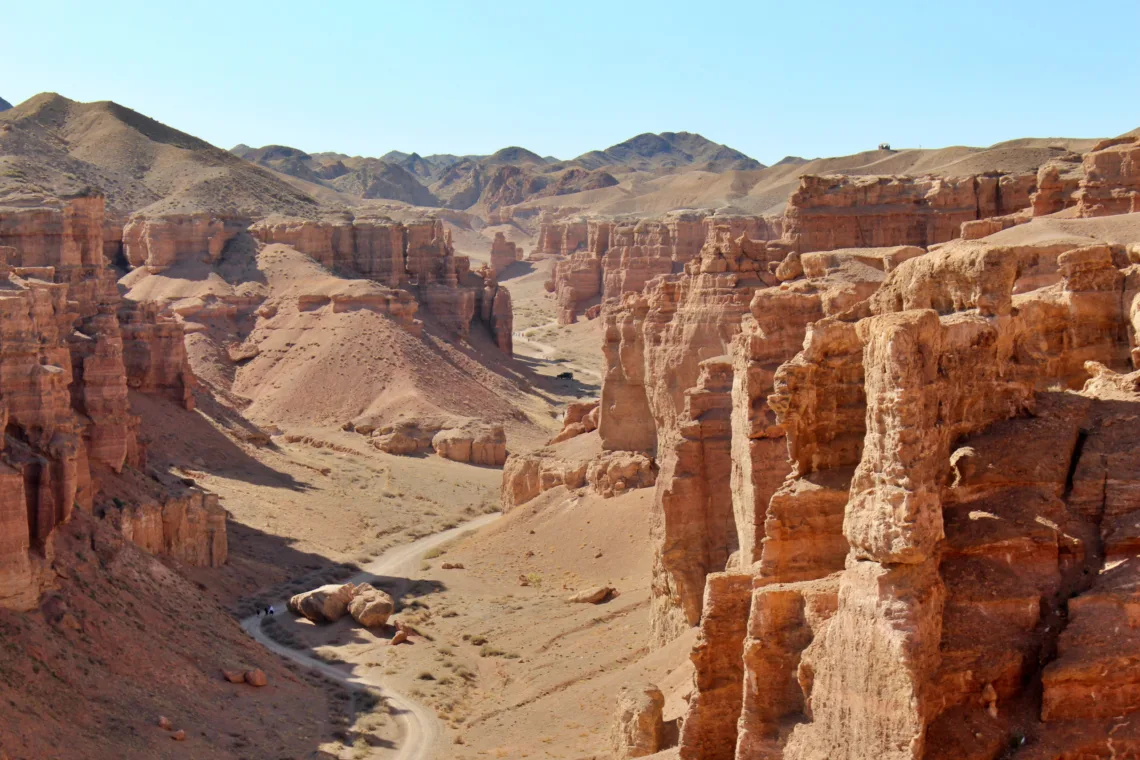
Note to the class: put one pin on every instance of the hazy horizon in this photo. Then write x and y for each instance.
(768, 80)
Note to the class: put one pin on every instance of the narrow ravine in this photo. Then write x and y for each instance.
(420, 728)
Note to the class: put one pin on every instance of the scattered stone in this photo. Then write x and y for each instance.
(179, 735)
(234, 676)
(399, 638)
(164, 723)
(256, 677)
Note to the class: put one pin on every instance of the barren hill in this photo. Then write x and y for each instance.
(507, 177)
(52, 146)
(767, 190)
(669, 150)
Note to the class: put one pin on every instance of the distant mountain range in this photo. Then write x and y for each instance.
(4, 105)
(52, 147)
(508, 176)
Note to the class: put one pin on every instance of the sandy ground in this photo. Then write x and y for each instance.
(510, 667)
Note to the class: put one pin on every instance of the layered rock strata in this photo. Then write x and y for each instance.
(162, 242)
(1111, 181)
(70, 349)
(503, 253)
(414, 256)
(937, 517)
(829, 212)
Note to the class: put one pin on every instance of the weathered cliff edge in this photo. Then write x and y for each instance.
(896, 485)
(602, 259)
(70, 351)
(417, 257)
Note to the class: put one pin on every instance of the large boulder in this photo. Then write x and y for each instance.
(453, 444)
(489, 446)
(370, 606)
(326, 604)
(638, 727)
(403, 437)
(476, 444)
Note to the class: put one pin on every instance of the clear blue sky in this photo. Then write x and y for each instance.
(770, 79)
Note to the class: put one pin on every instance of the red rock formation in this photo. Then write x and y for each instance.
(496, 312)
(525, 476)
(963, 533)
(1111, 182)
(560, 238)
(68, 353)
(1057, 184)
(154, 354)
(503, 253)
(709, 728)
(160, 243)
(829, 212)
(415, 256)
(370, 248)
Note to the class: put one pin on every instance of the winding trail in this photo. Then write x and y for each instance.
(420, 727)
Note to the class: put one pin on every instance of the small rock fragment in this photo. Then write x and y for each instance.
(234, 676)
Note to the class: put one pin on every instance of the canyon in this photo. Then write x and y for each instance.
(834, 460)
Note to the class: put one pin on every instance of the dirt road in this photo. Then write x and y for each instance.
(420, 729)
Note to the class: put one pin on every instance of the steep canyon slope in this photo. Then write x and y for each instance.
(893, 483)
(830, 459)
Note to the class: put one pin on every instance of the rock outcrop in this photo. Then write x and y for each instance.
(525, 476)
(1111, 182)
(638, 730)
(415, 256)
(581, 417)
(474, 444)
(503, 253)
(160, 243)
(840, 211)
(71, 349)
(938, 510)
(825, 213)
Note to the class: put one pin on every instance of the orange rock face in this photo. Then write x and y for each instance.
(829, 212)
(160, 243)
(417, 257)
(911, 570)
(70, 349)
(503, 253)
(896, 486)
(1111, 182)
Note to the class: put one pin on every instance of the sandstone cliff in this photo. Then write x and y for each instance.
(938, 516)
(414, 256)
(70, 350)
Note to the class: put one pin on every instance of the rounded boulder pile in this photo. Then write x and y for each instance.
(370, 606)
(326, 604)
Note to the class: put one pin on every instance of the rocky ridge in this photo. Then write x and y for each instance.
(72, 350)
(864, 452)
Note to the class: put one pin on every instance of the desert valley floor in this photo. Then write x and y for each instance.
(654, 452)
